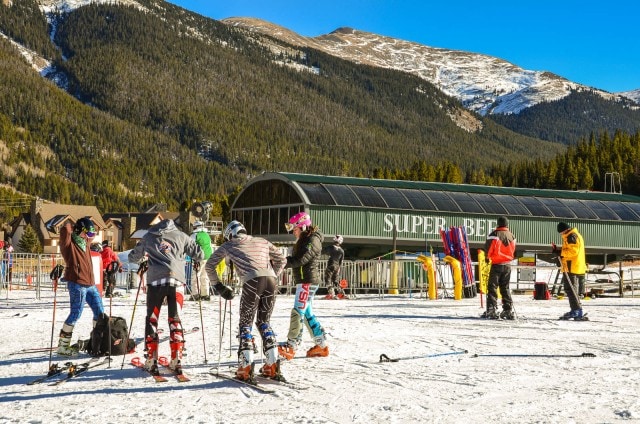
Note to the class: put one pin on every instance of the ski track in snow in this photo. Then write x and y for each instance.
(351, 385)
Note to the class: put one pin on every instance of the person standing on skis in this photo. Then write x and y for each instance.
(258, 264)
(202, 237)
(165, 247)
(332, 273)
(304, 265)
(110, 265)
(500, 249)
(574, 266)
(78, 274)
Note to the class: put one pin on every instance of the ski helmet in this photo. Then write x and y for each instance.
(338, 239)
(198, 224)
(233, 229)
(85, 225)
(300, 220)
(106, 243)
(96, 247)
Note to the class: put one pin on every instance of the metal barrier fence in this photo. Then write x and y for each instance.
(32, 272)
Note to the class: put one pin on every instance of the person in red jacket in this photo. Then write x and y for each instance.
(500, 249)
(110, 265)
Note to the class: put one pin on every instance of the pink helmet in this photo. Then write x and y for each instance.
(300, 220)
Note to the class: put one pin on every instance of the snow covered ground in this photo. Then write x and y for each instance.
(513, 371)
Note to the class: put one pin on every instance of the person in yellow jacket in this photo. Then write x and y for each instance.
(574, 266)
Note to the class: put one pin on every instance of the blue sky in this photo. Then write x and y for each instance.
(591, 43)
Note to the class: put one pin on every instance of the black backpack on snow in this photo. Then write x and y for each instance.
(98, 345)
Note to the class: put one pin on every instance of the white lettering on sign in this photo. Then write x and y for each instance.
(424, 224)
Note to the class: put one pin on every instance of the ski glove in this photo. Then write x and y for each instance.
(225, 291)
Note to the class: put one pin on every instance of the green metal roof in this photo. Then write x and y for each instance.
(465, 188)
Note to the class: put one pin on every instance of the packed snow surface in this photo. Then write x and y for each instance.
(526, 371)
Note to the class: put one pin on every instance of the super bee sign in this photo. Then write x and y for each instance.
(420, 225)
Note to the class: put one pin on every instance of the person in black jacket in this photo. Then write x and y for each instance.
(304, 265)
(332, 273)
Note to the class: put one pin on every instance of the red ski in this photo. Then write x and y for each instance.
(137, 362)
(164, 361)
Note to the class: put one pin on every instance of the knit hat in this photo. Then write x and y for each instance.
(562, 227)
(503, 221)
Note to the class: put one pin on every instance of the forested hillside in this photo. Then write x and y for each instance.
(168, 106)
(572, 117)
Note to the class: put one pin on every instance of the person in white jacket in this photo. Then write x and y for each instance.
(257, 263)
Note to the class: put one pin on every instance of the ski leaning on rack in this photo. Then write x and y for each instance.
(181, 377)
(137, 362)
(385, 358)
(75, 370)
(54, 370)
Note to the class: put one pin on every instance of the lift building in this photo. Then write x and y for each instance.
(376, 216)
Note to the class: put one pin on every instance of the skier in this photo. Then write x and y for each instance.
(500, 249)
(166, 248)
(258, 263)
(332, 273)
(202, 237)
(109, 257)
(78, 274)
(574, 265)
(304, 264)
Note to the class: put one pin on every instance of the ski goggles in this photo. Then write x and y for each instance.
(90, 233)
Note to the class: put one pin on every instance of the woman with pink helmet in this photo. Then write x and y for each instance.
(304, 265)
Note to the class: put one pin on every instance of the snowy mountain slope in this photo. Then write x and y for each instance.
(483, 83)
(633, 95)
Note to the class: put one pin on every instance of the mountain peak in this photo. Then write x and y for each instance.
(484, 84)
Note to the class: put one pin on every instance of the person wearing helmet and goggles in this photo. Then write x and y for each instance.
(332, 272)
(258, 263)
(75, 242)
(304, 266)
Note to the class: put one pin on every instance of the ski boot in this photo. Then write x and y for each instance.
(331, 294)
(490, 314)
(151, 364)
(574, 314)
(286, 351)
(245, 354)
(320, 349)
(64, 342)
(176, 356)
(507, 314)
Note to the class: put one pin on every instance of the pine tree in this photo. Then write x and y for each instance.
(29, 242)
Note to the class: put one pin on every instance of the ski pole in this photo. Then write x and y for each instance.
(221, 317)
(135, 302)
(55, 275)
(204, 346)
(385, 358)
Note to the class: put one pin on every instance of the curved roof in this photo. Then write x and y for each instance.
(440, 197)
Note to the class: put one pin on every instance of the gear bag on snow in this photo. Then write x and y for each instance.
(98, 345)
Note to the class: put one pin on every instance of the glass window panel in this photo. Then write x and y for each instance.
(369, 197)
(418, 200)
(635, 207)
(512, 205)
(601, 210)
(580, 208)
(442, 201)
(621, 210)
(535, 206)
(317, 194)
(343, 195)
(466, 202)
(490, 204)
(394, 198)
(557, 208)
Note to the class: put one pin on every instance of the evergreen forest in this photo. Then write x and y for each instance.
(165, 106)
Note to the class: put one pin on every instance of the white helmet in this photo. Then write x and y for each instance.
(233, 229)
(198, 224)
(338, 239)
